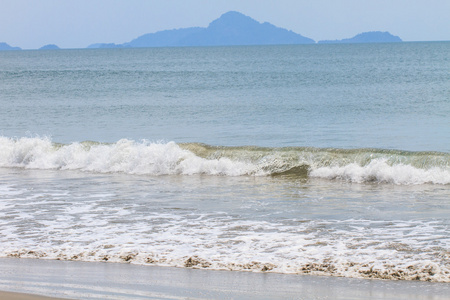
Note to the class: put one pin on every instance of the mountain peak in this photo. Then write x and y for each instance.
(233, 14)
(231, 28)
(233, 19)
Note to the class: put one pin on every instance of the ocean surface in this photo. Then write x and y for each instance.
(312, 159)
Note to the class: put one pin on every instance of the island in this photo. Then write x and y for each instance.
(104, 45)
(231, 29)
(6, 47)
(367, 37)
(49, 47)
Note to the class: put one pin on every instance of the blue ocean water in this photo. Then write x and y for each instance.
(388, 96)
(311, 159)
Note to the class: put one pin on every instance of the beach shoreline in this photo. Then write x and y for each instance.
(96, 280)
(23, 296)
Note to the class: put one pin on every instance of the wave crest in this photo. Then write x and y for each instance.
(124, 156)
(148, 158)
(380, 171)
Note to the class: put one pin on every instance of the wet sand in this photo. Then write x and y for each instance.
(94, 280)
(22, 296)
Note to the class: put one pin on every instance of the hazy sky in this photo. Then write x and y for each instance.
(30, 24)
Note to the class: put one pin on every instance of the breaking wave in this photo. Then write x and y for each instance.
(149, 158)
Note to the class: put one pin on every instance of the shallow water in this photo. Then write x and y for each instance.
(80, 280)
(233, 223)
(323, 159)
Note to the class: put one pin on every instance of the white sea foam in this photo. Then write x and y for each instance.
(125, 156)
(369, 250)
(166, 221)
(131, 157)
(379, 170)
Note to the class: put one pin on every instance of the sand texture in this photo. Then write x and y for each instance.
(94, 280)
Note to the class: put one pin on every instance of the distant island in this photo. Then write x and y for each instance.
(49, 47)
(367, 37)
(231, 29)
(6, 47)
(234, 28)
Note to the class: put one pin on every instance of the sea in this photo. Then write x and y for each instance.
(328, 160)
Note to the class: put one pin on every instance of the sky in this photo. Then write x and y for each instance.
(31, 24)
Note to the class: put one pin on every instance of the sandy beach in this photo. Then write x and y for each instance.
(85, 280)
(22, 296)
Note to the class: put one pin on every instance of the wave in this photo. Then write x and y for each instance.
(150, 158)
